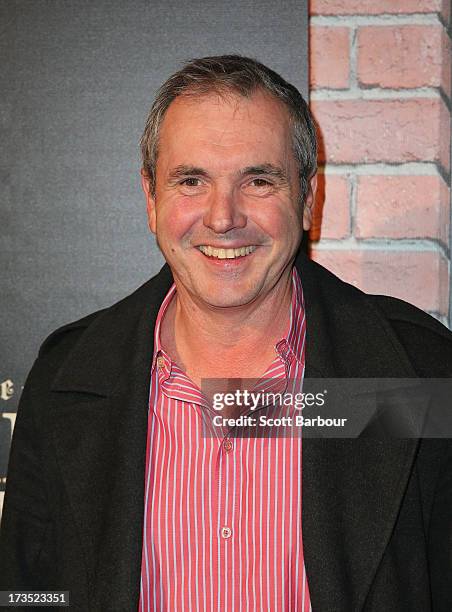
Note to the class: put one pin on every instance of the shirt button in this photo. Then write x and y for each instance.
(160, 363)
(226, 532)
(228, 446)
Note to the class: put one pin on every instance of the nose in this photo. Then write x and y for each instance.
(223, 211)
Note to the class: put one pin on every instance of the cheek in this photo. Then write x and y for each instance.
(281, 221)
(175, 218)
(294, 219)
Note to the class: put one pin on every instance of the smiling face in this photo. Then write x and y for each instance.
(226, 209)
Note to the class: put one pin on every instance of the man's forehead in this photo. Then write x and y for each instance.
(228, 102)
(225, 134)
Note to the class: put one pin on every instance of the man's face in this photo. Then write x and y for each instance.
(226, 210)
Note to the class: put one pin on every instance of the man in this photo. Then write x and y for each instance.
(116, 492)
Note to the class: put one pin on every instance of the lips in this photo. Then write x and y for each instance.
(226, 253)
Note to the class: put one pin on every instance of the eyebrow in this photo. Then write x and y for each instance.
(268, 169)
(179, 171)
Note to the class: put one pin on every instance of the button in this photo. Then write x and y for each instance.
(160, 363)
(226, 532)
(228, 446)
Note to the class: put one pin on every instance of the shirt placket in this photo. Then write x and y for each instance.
(223, 481)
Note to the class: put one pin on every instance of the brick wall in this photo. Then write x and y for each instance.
(380, 77)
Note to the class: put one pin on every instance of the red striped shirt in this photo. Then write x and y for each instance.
(222, 524)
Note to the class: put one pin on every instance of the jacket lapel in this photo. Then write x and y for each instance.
(100, 425)
(352, 488)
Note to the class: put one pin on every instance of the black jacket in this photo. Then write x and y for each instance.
(377, 515)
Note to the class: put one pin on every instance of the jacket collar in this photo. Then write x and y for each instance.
(100, 363)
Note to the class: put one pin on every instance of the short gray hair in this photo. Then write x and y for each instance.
(240, 75)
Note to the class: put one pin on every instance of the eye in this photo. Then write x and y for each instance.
(261, 182)
(191, 181)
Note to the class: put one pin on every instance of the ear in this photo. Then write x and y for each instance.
(309, 203)
(150, 201)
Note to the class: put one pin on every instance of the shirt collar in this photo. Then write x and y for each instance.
(160, 358)
(291, 346)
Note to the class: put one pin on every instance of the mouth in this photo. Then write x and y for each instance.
(235, 253)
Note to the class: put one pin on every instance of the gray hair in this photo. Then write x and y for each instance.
(240, 75)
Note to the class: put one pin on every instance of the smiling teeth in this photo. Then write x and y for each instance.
(226, 253)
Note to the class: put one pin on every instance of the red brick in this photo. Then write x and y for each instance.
(329, 64)
(332, 208)
(402, 207)
(375, 7)
(418, 57)
(365, 131)
(418, 277)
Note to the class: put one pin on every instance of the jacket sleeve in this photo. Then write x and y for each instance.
(26, 521)
(27, 531)
(440, 537)
(429, 346)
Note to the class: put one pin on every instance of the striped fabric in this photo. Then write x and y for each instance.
(222, 525)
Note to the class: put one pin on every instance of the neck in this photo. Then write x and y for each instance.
(226, 340)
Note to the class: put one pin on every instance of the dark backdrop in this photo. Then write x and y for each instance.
(77, 80)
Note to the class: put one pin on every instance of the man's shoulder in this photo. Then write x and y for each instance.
(399, 311)
(393, 309)
(150, 292)
(69, 332)
(53, 352)
(427, 341)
